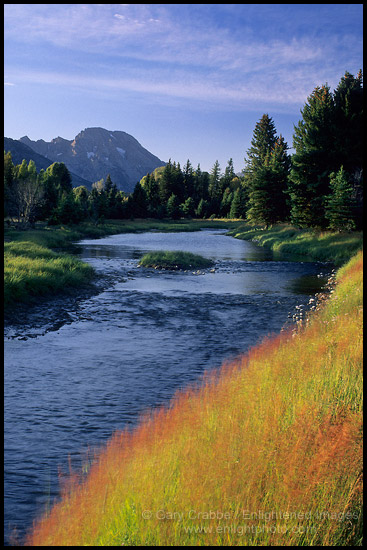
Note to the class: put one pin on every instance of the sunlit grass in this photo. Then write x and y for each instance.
(265, 452)
(331, 246)
(31, 270)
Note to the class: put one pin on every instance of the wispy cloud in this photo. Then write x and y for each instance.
(180, 85)
(176, 54)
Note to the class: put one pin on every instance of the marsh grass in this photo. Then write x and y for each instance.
(31, 270)
(266, 451)
(336, 247)
(171, 259)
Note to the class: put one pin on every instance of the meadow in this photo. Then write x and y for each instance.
(266, 451)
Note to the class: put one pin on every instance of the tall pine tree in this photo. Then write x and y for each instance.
(314, 143)
(263, 141)
(340, 205)
(266, 174)
(328, 136)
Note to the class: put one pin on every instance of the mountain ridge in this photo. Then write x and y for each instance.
(96, 152)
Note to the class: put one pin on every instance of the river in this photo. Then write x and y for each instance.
(76, 372)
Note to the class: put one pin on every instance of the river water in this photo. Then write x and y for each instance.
(77, 371)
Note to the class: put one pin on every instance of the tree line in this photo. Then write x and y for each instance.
(319, 185)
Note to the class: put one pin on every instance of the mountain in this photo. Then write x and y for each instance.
(20, 151)
(96, 152)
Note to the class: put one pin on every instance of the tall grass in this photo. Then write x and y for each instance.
(265, 452)
(31, 270)
(337, 247)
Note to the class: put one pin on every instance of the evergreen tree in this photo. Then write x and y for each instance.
(151, 189)
(239, 204)
(111, 192)
(178, 187)
(81, 200)
(173, 210)
(229, 174)
(214, 179)
(166, 183)
(348, 99)
(98, 205)
(261, 207)
(279, 164)
(201, 185)
(139, 205)
(266, 174)
(262, 143)
(225, 205)
(340, 205)
(202, 211)
(68, 210)
(315, 157)
(215, 189)
(188, 180)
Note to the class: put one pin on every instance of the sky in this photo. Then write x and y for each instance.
(188, 81)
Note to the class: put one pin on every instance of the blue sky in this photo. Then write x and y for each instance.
(188, 81)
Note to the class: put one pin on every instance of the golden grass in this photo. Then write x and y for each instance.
(266, 452)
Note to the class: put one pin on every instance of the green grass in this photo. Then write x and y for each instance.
(266, 452)
(31, 270)
(174, 260)
(336, 247)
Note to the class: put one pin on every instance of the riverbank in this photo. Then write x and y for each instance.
(266, 453)
(325, 246)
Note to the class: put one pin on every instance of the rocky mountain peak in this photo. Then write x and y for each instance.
(96, 152)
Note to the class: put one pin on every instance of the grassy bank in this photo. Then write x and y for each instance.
(31, 270)
(170, 259)
(266, 452)
(330, 246)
